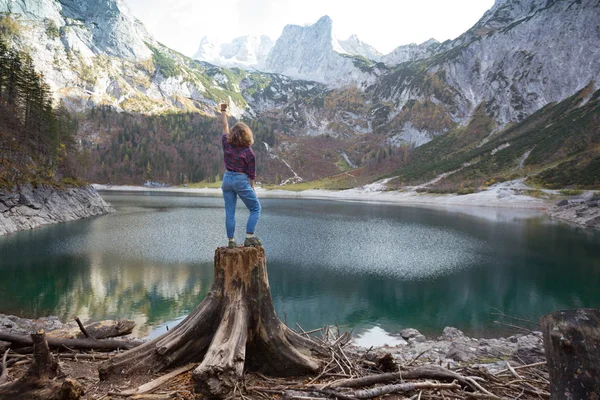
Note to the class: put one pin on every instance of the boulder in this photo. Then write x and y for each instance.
(451, 334)
(412, 335)
(461, 351)
(530, 348)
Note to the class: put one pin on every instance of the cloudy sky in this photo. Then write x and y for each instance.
(385, 24)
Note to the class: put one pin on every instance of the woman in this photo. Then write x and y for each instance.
(239, 178)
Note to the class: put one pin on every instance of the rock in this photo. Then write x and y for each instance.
(530, 348)
(593, 222)
(450, 333)
(461, 351)
(25, 326)
(33, 207)
(562, 203)
(411, 334)
(592, 204)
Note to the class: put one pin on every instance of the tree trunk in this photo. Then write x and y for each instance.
(235, 327)
(572, 345)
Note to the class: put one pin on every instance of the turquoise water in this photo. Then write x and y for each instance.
(352, 264)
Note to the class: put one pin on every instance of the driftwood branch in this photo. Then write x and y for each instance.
(82, 328)
(79, 344)
(427, 372)
(4, 375)
(152, 385)
(402, 387)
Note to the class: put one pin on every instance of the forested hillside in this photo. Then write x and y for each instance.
(175, 148)
(36, 139)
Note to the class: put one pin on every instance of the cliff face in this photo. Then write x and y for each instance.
(96, 52)
(26, 207)
(313, 53)
(518, 58)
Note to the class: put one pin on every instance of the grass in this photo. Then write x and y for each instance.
(571, 192)
(336, 182)
(205, 184)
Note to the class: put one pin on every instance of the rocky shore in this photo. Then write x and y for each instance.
(581, 210)
(27, 207)
(453, 349)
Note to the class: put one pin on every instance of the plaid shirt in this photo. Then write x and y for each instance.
(239, 159)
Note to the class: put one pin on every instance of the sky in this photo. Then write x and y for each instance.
(385, 24)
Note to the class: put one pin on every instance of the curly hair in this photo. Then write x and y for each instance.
(240, 135)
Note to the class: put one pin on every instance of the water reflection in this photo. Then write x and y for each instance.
(354, 264)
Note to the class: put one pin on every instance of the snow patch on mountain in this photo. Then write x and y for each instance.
(411, 136)
(249, 52)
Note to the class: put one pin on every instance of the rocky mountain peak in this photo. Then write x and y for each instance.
(353, 45)
(505, 12)
(90, 27)
(248, 51)
(411, 52)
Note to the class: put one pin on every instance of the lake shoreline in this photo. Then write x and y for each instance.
(508, 195)
(452, 348)
(500, 197)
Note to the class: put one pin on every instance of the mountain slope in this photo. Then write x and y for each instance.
(515, 70)
(443, 100)
(96, 53)
(559, 146)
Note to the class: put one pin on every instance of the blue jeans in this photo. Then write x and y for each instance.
(237, 184)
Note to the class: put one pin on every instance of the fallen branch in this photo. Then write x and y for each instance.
(4, 375)
(537, 364)
(80, 344)
(152, 385)
(427, 372)
(82, 328)
(402, 387)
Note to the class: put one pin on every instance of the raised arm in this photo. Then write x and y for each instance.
(224, 118)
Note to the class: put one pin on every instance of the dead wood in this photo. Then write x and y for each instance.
(233, 329)
(425, 372)
(572, 346)
(156, 383)
(82, 328)
(97, 330)
(4, 374)
(401, 388)
(38, 382)
(110, 328)
(78, 344)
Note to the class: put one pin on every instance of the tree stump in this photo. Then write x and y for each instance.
(235, 327)
(572, 345)
(39, 382)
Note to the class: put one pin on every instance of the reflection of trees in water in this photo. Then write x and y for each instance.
(530, 268)
(37, 282)
(147, 292)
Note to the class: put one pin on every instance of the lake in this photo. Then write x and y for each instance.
(366, 267)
